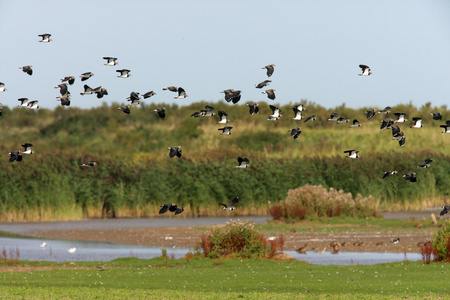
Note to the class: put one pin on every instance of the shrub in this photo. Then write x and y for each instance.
(441, 243)
(238, 239)
(316, 202)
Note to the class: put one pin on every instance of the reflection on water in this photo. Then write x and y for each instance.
(56, 250)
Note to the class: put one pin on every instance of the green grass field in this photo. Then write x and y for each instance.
(225, 279)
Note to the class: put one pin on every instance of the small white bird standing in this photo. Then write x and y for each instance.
(43, 244)
(72, 250)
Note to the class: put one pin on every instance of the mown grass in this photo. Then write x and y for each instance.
(228, 279)
(134, 174)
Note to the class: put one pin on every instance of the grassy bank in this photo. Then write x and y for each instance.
(227, 279)
(134, 174)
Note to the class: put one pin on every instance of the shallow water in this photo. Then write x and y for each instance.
(56, 250)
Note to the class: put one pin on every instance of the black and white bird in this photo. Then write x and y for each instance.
(276, 113)
(174, 151)
(2, 87)
(100, 92)
(124, 73)
(171, 88)
(232, 205)
(295, 132)
(370, 113)
(69, 79)
(253, 108)
(446, 127)
(352, 154)
(45, 38)
(297, 112)
(365, 70)
(270, 93)
(181, 93)
(410, 177)
(65, 100)
(342, 120)
(179, 210)
(226, 130)
(389, 173)
(89, 164)
(125, 108)
(208, 111)
(425, 164)
(310, 119)
(87, 90)
(333, 116)
(385, 110)
(270, 69)
(232, 95)
(386, 124)
(161, 112)
(172, 207)
(243, 163)
(148, 94)
(33, 105)
(134, 98)
(355, 124)
(223, 117)
(110, 61)
(14, 156)
(445, 210)
(400, 117)
(398, 135)
(23, 102)
(28, 148)
(27, 69)
(417, 123)
(86, 75)
(263, 84)
(436, 116)
(63, 90)
(396, 241)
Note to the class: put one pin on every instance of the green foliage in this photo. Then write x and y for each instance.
(441, 242)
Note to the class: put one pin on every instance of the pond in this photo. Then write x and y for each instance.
(56, 250)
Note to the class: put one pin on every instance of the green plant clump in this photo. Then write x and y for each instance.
(441, 243)
(310, 201)
(237, 239)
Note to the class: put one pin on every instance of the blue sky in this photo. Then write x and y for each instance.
(209, 46)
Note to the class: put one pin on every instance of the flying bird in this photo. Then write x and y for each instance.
(333, 116)
(27, 148)
(172, 207)
(45, 38)
(355, 124)
(295, 132)
(124, 73)
(400, 117)
(2, 87)
(232, 205)
(171, 88)
(89, 164)
(87, 90)
(253, 108)
(445, 210)
(436, 116)
(310, 119)
(365, 70)
(161, 112)
(14, 156)
(33, 105)
(110, 61)
(23, 102)
(410, 177)
(297, 112)
(27, 69)
(425, 164)
(446, 127)
(148, 94)
(352, 154)
(385, 110)
(389, 173)
(263, 84)
(386, 124)
(270, 69)
(417, 123)
(270, 94)
(86, 76)
(342, 120)
(100, 92)
(276, 113)
(125, 108)
(370, 113)
(226, 130)
(69, 79)
(243, 163)
(223, 117)
(63, 90)
(181, 93)
(232, 95)
(174, 151)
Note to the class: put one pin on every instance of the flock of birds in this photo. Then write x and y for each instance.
(231, 96)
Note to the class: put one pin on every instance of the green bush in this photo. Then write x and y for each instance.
(238, 239)
(441, 242)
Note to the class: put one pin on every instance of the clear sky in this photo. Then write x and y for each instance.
(208, 46)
